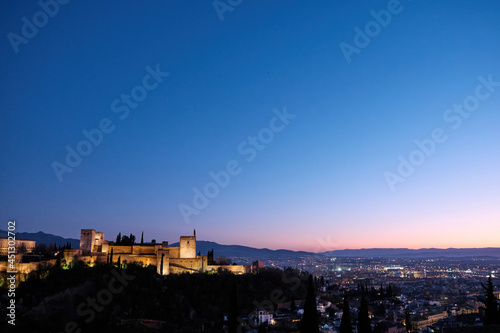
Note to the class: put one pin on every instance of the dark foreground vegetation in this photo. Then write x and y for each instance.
(105, 298)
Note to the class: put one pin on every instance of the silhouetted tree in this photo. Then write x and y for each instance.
(292, 304)
(491, 313)
(210, 258)
(389, 291)
(234, 310)
(310, 322)
(131, 239)
(345, 323)
(119, 263)
(118, 238)
(364, 325)
(408, 323)
(125, 240)
(142, 238)
(161, 264)
(111, 256)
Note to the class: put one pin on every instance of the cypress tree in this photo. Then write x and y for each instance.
(310, 322)
(118, 238)
(111, 256)
(345, 323)
(119, 261)
(142, 238)
(408, 324)
(364, 325)
(491, 313)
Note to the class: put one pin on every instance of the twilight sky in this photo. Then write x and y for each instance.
(327, 125)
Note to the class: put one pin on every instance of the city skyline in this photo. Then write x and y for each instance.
(271, 125)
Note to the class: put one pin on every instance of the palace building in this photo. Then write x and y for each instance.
(167, 259)
(21, 245)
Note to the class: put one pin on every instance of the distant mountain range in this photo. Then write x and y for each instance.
(420, 253)
(244, 251)
(43, 238)
(251, 253)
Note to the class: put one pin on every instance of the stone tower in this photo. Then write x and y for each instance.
(187, 247)
(91, 241)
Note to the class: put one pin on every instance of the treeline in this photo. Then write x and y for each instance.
(183, 301)
(128, 240)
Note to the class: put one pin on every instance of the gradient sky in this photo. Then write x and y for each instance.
(318, 185)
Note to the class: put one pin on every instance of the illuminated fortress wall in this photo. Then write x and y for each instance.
(176, 259)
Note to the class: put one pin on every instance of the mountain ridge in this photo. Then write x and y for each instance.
(264, 253)
(43, 238)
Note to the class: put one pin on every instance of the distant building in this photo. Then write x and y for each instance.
(257, 265)
(390, 327)
(428, 320)
(419, 274)
(167, 259)
(265, 317)
(27, 245)
(92, 241)
(22, 269)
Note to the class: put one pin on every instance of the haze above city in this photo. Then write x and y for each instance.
(277, 124)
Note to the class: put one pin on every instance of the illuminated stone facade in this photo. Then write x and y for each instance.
(28, 245)
(167, 259)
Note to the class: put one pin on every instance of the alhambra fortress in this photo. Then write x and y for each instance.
(95, 249)
(167, 259)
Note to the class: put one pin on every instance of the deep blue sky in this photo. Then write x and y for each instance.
(318, 185)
